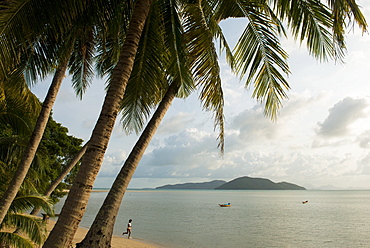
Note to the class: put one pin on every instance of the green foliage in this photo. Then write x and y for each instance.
(10, 239)
(57, 148)
(29, 229)
(60, 148)
(18, 113)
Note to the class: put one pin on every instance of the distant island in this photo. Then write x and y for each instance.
(206, 185)
(241, 183)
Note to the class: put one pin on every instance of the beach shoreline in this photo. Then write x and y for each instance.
(117, 242)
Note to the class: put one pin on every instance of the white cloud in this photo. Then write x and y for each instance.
(364, 139)
(342, 115)
(364, 165)
(175, 123)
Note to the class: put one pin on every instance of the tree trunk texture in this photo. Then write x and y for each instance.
(75, 205)
(62, 175)
(34, 142)
(101, 231)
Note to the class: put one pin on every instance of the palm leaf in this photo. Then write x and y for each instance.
(34, 23)
(110, 35)
(178, 66)
(24, 203)
(81, 61)
(14, 240)
(30, 225)
(311, 21)
(148, 82)
(201, 29)
(16, 123)
(259, 55)
(343, 11)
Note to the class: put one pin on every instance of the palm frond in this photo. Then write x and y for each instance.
(259, 55)
(14, 240)
(110, 35)
(178, 66)
(344, 11)
(11, 150)
(39, 24)
(32, 226)
(200, 32)
(19, 107)
(81, 61)
(24, 203)
(311, 21)
(18, 95)
(148, 82)
(15, 122)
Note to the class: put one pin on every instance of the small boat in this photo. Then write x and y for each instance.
(304, 202)
(225, 205)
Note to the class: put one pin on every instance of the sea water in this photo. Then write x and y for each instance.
(193, 218)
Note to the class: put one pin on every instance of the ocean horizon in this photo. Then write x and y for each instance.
(256, 218)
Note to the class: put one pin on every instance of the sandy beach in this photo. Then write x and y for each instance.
(117, 242)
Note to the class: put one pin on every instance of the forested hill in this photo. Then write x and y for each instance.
(242, 183)
(206, 185)
(250, 183)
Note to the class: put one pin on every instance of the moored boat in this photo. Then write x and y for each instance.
(225, 205)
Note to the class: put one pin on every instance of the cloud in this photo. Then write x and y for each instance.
(175, 123)
(251, 124)
(365, 165)
(341, 116)
(364, 139)
(112, 163)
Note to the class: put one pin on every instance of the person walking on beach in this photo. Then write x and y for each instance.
(128, 231)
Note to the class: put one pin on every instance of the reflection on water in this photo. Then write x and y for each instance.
(182, 218)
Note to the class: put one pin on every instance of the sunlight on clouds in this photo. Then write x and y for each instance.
(364, 139)
(113, 163)
(175, 123)
(342, 115)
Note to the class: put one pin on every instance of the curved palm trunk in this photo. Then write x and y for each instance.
(34, 142)
(100, 233)
(62, 175)
(75, 204)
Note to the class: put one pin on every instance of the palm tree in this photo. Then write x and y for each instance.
(100, 233)
(76, 201)
(100, 138)
(202, 60)
(35, 139)
(261, 64)
(79, 60)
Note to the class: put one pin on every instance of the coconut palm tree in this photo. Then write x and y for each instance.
(76, 201)
(100, 137)
(75, 52)
(197, 40)
(35, 139)
(260, 62)
(100, 232)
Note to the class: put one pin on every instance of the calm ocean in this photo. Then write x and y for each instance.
(192, 218)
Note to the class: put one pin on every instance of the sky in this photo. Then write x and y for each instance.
(321, 138)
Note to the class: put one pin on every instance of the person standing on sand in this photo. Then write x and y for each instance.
(128, 231)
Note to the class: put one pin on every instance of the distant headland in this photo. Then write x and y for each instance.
(241, 183)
